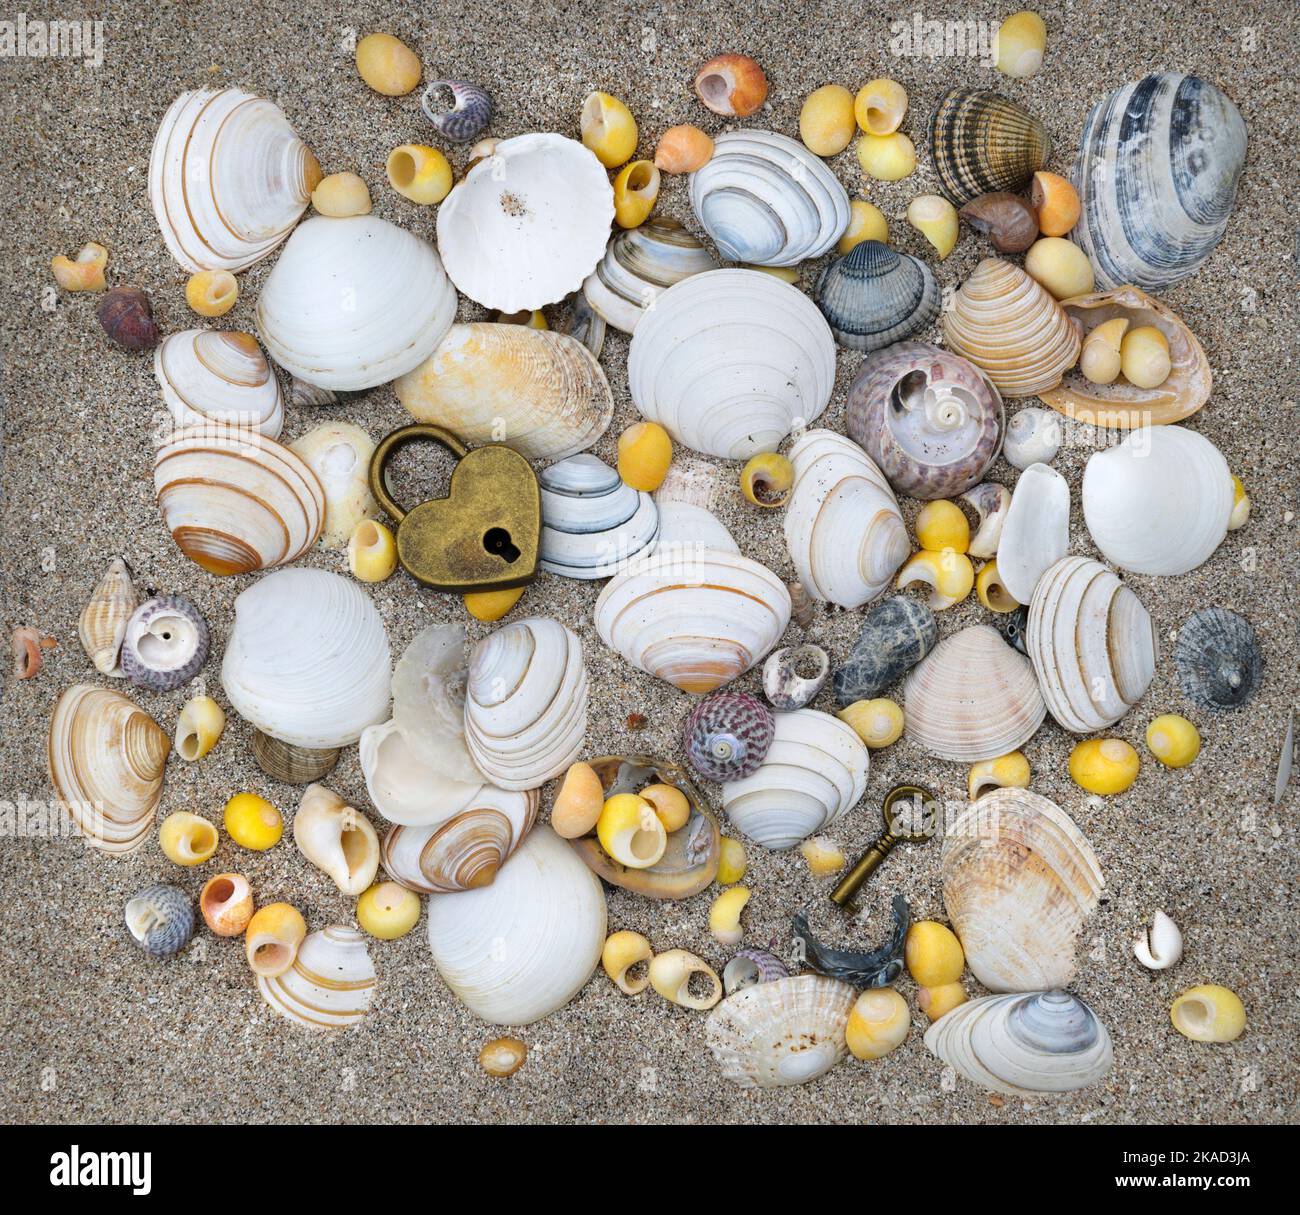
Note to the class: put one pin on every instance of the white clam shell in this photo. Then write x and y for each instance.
(352, 303)
(228, 178)
(814, 771)
(331, 983)
(1092, 644)
(842, 524)
(592, 523)
(729, 362)
(1036, 533)
(519, 949)
(1159, 502)
(1160, 944)
(972, 697)
(526, 703)
(339, 454)
(527, 224)
(307, 661)
(207, 374)
(338, 839)
(429, 701)
(403, 783)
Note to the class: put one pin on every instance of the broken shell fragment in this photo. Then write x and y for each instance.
(874, 968)
(85, 272)
(677, 972)
(1036, 534)
(27, 644)
(989, 501)
(793, 675)
(339, 454)
(824, 857)
(1160, 944)
(724, 915)
(935, 218)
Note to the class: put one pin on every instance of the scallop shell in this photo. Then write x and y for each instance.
(592, 523)
(1121, 404)
(874, 296)
(973, 697)
(339, 454)
(519, 949)
(727, 735)
(1012, 329)
(931, 420)
(1157, 175)
(768, 201)
(639, 264)
(526, 703)
(459, 111)
(160, 920)
(1024, 1045)
(1159, 502)
(697, 619)
(1217, 659)
(102, 624)
(1036, 534)
(896, 634)
(235, 501)
(307, 661)
(429, 701)
(105, 759)
(1019, 880)
(331, 983)
(814, 771)
(228, 178)
(165, 644)
(527, 225)
(981, 143)
(211, 375)
(788, 1031)
(541, 393)
(842, 524)
(729, 362)
(749, 967)
(290, 764)
(352, 303)
(1092, 644)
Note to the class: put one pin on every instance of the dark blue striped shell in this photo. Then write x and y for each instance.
(160, 919)
(1217, 659)
(728, 734)
(874, 296)
(470, 109)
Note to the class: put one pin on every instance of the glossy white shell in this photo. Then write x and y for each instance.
(337, 838)
(1033, 437)
(1036, 533)
(429, 700)
(402, 781)
(331, 983)
(592, 523)
(211, 375)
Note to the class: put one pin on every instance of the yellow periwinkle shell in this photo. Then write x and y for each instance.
(1144, 357)
(941, 525)
(1240, 505)
(85, 272)
(826, 121)
(991, 591)
(341, 195)
(877, 722)
(732, 861)
(492, 605)
(1010, 771)
(252, 822)
(186, 838)
(866, 222)
(608, 129)
(935, 218)
(1019, 45)
(936, 1002)
(1173, 740)
(388, 65)
(949, 574)
(636, 189)
(624, 950)
(419, 172)
(933, 954)
(766, 479)
(1209, 1013)
(644, 453)
(878, 1023)
(887, 157)
(630, 831)
(1060, 266)
(1099, 359)
(880, 106)
(669, 804)
(211, 292)
(372, 552)
(388, 911)
(1103, 765)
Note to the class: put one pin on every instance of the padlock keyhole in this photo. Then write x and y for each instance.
(497, 542)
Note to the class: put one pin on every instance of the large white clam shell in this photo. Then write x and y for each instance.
(768, 201)
(216, 375)
(788, 1031)
(308, 660)
(228, 178)
(1092, 644)
(354, 302)
(814, 771)
(1019, 880)
(1159, 502)
(1036, 533)
(973, 697)
(527, 224)
(729, 362)
(842, 524)
(592, 522)
(526, 703)
(519, 949)
(331, 983)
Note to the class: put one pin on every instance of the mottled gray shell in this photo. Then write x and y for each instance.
(1218, 660)
(896, 634)
(874, 296)
(458, 110)
(727, 735)
(160, 920)
(793, 675)
(750, 967)
(875, 968)
(165, 644)
(982, 143)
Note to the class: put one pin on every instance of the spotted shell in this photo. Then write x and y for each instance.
(728, 735)
(160, 920)
(165, 644)
(1217, 659)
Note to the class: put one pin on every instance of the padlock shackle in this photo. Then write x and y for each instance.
(388, 445)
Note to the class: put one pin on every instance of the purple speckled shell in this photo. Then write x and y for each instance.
(750, 967)
(166, 643)
(458, 110)
(930, 419)
(728, 734)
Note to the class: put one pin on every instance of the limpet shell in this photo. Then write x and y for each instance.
(1218, 659)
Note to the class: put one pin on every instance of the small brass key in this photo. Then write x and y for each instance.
(909, 813)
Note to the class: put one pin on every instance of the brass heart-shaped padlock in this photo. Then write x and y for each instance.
(483, 535)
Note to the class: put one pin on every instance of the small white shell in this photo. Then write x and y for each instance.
(331, 983)
(1036, 534)
(1159, 945)
(211, 375)
(1033, 437)
(339, 454)
(793, 675)
(989, 501)
(592, 523)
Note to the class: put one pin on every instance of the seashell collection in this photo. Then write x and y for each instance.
(477, 795)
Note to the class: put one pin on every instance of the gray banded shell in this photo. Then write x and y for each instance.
(728, 735)
(982, 142)
(458, 110)
(165, 644)
(768, 201)
(874, 296)
(290, 764)
(1157, 175)
(930, 419)
(160, 920)
(592, 523)
(576, 318)
(895, 636)
(750, 967)
(1217, 659)
(638, 265)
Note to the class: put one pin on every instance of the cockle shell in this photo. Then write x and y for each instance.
(727, 735)
(973, 697)
(354, 302)
(730, 361)
(768, 201)
(459, 111)
(236, 501)
(592, 523)
(1159, 502)
(981, 143)
(331, 983)
(895, 635)
(206, 374)
(541, 393)
(1092, 644)
(525, 227)
(842, 524)
(307, 661)
(931, 420)
(814, 771)
(1036, 533)
(874, 296)
(165, 643)
(519, 949)
(1012, 329)
(1024, 1045)
(641, 263)
(1217, 659)
(526, 703)
(228, 178)
(1157, 175)
(160, 920)
(337, 839)
(339, 454)
(1019, 880)
(105, 758)
(788, 1031)
(102, 624)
